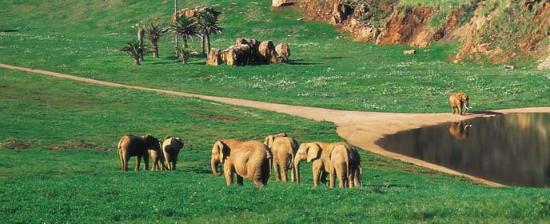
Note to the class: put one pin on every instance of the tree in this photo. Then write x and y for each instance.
(134, 50)
(186, 27)
(207, 24)
(154, 32)
(183, 54)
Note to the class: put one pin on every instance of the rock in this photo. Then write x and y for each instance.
(409, 52)
(279, 3)
(283, 52)
(266, 51)
(509, 67)
(214, 57)
(545, 64)
(238, 54)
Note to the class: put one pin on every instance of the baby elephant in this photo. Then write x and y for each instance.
(171, 148)
(459, 101)
(131, 145)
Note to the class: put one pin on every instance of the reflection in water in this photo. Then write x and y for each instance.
(512, 149)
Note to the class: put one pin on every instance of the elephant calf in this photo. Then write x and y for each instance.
(131, 145)
(170, 149)
(248, 160)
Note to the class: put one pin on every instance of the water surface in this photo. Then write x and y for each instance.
(511, 149)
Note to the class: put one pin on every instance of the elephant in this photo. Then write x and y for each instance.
(318, 153)
(157, 156)
(131, 145)
(283, 149)
(171, 147)
(459, 102)
(345, 165)
(248, 159)
(459, 130)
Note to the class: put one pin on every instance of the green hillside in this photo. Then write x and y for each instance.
(327, 69)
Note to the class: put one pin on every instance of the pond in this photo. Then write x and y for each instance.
(511, 149)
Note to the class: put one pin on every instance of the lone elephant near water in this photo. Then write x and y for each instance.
(249, 159)
(459, 102)
(131, 145)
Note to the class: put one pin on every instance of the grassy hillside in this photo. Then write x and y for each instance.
(328, 70)
(81, 182)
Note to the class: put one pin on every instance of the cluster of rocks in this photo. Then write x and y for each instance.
(250, 51)
(194, 12)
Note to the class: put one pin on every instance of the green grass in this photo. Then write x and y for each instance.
(80, 185)
(328, 70)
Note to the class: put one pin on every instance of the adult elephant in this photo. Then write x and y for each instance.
(459, 102)
(318, 154)
(345, 164)
(283, 149)
(171, 147)
(249, 159)
(131, 145)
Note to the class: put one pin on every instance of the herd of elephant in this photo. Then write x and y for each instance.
(253, 159)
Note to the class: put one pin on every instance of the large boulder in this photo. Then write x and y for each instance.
(283, 52)
(214, 57)
(266, 51)
(238, 54)
(279, 3)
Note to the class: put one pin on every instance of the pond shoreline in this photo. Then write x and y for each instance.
(361, 129)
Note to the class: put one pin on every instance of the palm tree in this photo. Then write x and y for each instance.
(134, 50)
(183, 54)
(154, 31)
(207, 24)
(186, 27)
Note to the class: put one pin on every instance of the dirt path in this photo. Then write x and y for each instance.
(358, 128)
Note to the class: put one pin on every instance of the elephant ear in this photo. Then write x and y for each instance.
(313, 152)
(269, 140)
(180, 143)
(223, 149)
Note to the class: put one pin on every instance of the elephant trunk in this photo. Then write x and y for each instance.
(297, 170)
(214, 166)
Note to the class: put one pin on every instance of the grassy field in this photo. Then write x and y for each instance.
(327, 69)
(58, 181)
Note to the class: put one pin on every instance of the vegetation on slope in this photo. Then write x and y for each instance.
(327, 69)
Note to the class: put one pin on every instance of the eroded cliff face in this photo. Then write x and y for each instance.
(500, 30)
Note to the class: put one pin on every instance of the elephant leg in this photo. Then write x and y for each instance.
(332, 178)
(293, 174)
(125, 158)
(228, 174)
(138, 163)
(284, 175)
(316, 171)
(277, 171)
(121, 160)
(240, 180)
(146, 161)
(357, 178)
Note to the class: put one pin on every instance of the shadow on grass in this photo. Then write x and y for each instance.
(8, 30)
(301, 62)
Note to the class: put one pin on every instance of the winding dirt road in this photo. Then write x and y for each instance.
(361, 129)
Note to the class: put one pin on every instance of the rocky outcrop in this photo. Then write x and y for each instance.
(498, 30)
(250, 51)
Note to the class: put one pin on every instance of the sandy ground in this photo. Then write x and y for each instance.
(361, 129)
